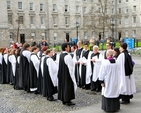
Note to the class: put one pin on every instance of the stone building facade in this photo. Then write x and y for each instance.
(56, 20)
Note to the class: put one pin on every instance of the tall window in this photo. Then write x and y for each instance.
(41, 7)
(112, 10)
(126, 0)
(42, 20)
(78, 19)
(21, 21)
(134, 19)
(9, 19)
(134, 33)
(126, 20)
(31, 6)
(66, 20)
(54, 20)
(126, 10)
(8, 5)
(66, 8)
(77, 9)
(119, 1)
(19, 5)
(119, 10)
(31, 19)
(126, 33)
(85, 35)
(119, 21)
(55, 36)
(54, 7)
(84, 9)
(134, 8)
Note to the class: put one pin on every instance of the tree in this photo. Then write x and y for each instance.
(99, 19)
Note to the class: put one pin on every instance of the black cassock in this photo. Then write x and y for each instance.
(24, 73)
(1, 75)
(48, 88)
(54, 56)
(77, 74)
(65, 83)
(17, 73)
(9, 71)
(4, 72)
(33, 74)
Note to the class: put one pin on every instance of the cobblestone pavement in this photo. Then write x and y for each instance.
(18, 101)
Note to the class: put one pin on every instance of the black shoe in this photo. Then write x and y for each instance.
(51, 99)
(124, 102)
(70, 103)
(36, 92)
(83, 87)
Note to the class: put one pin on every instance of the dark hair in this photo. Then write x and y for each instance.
(48, 51)
(33, 48)
(117, 50)
(25, 46)
(64, 45)
(123, 45)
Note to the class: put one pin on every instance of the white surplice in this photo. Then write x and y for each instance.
(12, 60)
(1, 58)
(87, 63)
(127, 84)
(109, 74)
(97, 65)
(53, 71)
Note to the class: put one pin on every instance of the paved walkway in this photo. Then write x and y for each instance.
(19, 101)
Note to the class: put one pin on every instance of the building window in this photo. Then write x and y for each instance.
(92, 9)
(66, 8)
(54, 7)
(126, 10)
(21, 20)
(134, 19)
(126, 33)
(31, 6)
(119, 10)
(126, 20)
(92, 0)
(119, 1)
(99, 10)
(33, 35)
(77, 9)
(19, 5)
(8, 5)
(41, 7)
(92, 34)
(78, 19)
(55, 20)
(126, 0)
(43, 35)
(119, 21)
(66, 20)
(134, 8)
(85, 35)
(31, 19)
(55, 36)
(84, 9)
(9, 19)
(42, 20)
(112, 10)
(134, 33)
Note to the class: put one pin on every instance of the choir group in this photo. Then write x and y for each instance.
(43, 71)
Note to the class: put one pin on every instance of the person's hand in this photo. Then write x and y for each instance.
(82, 63)
(76, 62)
(93, 60)
(102, 85)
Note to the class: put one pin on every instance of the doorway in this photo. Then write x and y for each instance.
(119, 35)
(67, 37)
(22, 38)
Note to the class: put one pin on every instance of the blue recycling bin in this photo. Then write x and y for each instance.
(130, 43)
(74, 40)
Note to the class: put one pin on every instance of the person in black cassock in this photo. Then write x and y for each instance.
(66, 78)
(24, 68)
(34, 69)
(1, 75)
(50, 80)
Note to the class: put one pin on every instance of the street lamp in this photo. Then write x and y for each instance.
(113, 24)
(18, 28)
(77, 25)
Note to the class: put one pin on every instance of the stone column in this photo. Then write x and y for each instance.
(4, 33)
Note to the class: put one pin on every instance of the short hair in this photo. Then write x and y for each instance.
(48, 51)
(95, 46)
(109, 43)
(33, 48)
(64, 45)
(110, 52)
(26, 45)
(123, 45)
